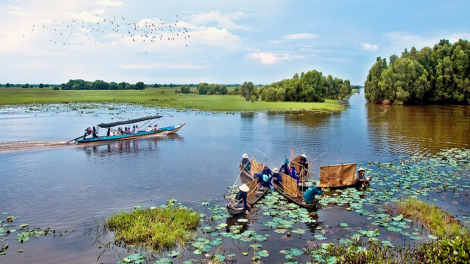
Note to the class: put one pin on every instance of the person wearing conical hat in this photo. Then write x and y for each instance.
(245, 164)
(303, 165)
(361, 179)
(277, 179)
(242, 195)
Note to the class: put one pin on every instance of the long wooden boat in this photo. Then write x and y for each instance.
(290, 190)
(235, 208)
(139, 134)
(254, 194)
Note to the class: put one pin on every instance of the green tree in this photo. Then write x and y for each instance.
(41, 85)
(7, 85)
(185, 89)
(139, 86)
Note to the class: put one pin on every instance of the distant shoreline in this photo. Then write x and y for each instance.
(159, 97)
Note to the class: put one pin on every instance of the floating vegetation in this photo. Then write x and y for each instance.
(158, 228)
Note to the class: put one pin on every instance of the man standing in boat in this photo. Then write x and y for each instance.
(245, 164)
(241, 197)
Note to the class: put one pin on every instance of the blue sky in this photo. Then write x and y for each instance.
(229, 41)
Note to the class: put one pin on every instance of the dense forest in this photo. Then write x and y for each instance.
(308, 87)
(437, 75)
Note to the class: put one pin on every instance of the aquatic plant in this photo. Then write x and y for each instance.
(158, 228)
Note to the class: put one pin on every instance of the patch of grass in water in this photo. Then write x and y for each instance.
(157, 228)
(436, 220)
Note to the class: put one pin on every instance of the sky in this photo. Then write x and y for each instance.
(225, 42)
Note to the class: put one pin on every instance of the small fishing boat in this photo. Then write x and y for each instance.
(138, 134)
(234, 207)
(339, 176)
(293, 191)
(290, 190)
(254, 194)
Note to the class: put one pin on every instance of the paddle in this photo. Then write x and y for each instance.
(74, 139)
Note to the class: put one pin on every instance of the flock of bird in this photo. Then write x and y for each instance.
(151, 31)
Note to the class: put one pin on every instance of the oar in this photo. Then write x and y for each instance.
(73, 139)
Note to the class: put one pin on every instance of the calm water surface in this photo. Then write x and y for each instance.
(66, 187)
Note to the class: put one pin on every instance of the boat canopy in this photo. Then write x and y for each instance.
(113, 124)
(338, 175)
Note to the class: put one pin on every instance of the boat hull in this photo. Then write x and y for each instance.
(144, 134)
(296, 199)
(233, 208)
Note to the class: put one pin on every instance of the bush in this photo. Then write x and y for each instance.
(55, 88)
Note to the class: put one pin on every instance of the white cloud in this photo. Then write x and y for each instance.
(14, 7)
(20, 13)
(213, 36)
(272, 58)
(98, 11)
(84, 16)
(371, 47)
(223, 20)
(108, 3)
(300, 36)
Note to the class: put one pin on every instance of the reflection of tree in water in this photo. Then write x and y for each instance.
(315, 119)
(418, 129)
(132, 146)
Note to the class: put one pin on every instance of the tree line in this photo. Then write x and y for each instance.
(431, 75)
(79, 84)
(312, 86)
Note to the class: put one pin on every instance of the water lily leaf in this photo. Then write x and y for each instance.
(387, 243)
(398, 218)
(343, 225)
(299, 231)
(280, 230)
(432, 237)
(245, 253)
(23, 225)
(242, 220)
(319, 237)
(160, 261)
(219, 257)
(173, 253)
(331, 260)
(262, 253)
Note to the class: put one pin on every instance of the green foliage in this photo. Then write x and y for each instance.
(140, 86)
(309, 87)
(41, 85)
(440, 74)
(158, 228)
(185, 89)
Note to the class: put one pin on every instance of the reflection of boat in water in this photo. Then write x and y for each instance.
(235, 207)
(140, 134)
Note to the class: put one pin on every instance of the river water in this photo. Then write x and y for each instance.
(67, 187)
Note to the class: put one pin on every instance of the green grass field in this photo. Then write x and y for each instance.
(159, 97)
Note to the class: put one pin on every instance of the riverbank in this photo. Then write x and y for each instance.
(157, 97)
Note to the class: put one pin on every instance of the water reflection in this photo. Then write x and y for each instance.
(124, 147)
(418, 129)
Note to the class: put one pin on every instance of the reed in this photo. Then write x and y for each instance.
(436, 220)
(156, 228)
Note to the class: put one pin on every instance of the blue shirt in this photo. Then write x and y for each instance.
(267, 171)
(293, 174)
(278, 176)
(310, 194)
(284, 169)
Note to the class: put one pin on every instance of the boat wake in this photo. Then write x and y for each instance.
(20, 145)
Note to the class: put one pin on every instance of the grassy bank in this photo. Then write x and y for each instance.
(436, 220)
(158, 97)
(155, 228)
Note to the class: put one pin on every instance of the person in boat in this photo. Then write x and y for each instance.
(293, 172)
(303, 165)
(128, 130)
(361, 178)
(266, 170)
(285, 167)
(134, 130)
(264, 181)
(94, 133)
(310, 193)
(245, 164)
(109, 132)
(87, 132)
(155, 127)
(277, 179)
(241, 197)
(149, 128)
(137, 128)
